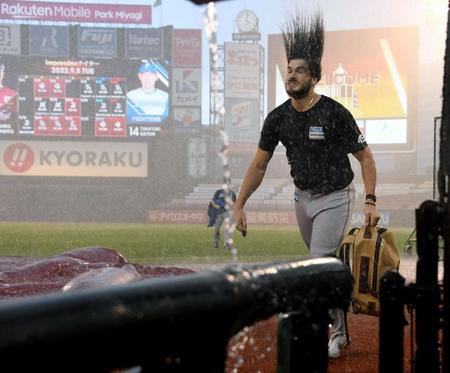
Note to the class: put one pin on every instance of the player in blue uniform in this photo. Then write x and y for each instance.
(217, 213)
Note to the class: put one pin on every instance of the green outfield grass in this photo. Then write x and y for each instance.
(156, 244)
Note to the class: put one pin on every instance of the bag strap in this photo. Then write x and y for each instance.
(344, 254)
(353, 231)
(350, 237)
(347, 243)
(381, 230)
(348, 240)
(376, 259)
(368, 232)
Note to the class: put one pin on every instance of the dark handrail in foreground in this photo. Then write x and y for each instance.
(177, 324)
(424, 296)
(392, 323)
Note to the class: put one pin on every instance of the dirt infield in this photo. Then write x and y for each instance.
(254, 350)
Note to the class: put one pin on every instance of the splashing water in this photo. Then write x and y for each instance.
(210, 21)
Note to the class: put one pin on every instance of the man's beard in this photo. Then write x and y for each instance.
(301, 92)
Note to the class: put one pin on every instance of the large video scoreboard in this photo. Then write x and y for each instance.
(86, 99)
(80, 98)
(375, 80)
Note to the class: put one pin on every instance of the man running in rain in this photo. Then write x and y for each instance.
(318, 134)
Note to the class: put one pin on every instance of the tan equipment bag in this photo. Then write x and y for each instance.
(369, 252)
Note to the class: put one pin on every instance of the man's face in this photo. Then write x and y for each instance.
(148, 80)
(298, 79)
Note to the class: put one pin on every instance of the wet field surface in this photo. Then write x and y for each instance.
(252, 350)
(255, 349)
(81, 268)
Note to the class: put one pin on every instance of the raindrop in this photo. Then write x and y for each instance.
(210, 21)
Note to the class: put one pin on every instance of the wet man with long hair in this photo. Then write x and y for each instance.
(318, 134)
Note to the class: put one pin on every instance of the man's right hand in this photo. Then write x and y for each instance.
(241, 220)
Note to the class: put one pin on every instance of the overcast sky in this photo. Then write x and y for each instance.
(338, 15)
(343, 14)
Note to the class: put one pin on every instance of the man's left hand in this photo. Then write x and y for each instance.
(372, 216)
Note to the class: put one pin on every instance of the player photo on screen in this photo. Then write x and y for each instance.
(8, 97)
(147, 96)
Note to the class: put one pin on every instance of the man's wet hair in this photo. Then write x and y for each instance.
(303, 37)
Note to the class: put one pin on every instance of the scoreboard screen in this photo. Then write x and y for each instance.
(62, 106)
(114, 98)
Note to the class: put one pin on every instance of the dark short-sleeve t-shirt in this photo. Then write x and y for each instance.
(317, 143)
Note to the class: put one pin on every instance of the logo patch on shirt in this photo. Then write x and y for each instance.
(361, 139)
(316, 133)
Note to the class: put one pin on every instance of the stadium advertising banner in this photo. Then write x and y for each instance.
(50, 41)
(187, 87)
(193, 216)
(187, 47)
(186, 80)
(144, 43)
(96, 42)
(242, 119)
(10, 39)
(242, 70)
(24, 12)
(197, 153)
(74, 159)
(372, 73)
(200, 217)
(187, 118)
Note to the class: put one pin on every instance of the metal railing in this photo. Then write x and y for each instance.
(424, 297)
(429, 297)
(177, 324)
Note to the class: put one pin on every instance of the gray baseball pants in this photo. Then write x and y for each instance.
(323, 221)
(218, 226)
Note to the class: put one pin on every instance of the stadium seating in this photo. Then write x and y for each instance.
(279, 193)
(202, 193)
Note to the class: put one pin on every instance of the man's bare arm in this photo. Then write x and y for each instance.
(252, 180)
(369, 175)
